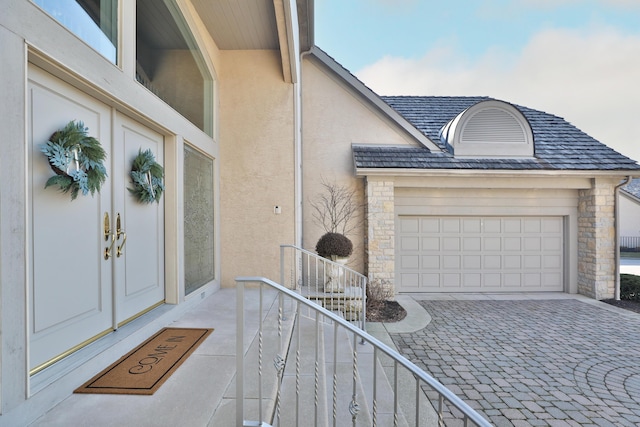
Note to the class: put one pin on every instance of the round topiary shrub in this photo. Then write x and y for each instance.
(334, 244)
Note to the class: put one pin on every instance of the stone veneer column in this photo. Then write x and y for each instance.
(380, 238)
(596, 240)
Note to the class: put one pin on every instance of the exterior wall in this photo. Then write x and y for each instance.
(596, 240)
(442, 196)
(257, 172)
(380, 238)
(629, 209)
(28, 34)
(333, 119)
(12, 221)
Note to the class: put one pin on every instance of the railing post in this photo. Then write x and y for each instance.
(239, 354)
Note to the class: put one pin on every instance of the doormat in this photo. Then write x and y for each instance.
(146, 367)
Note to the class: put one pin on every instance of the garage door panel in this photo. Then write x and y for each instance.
(512, 244)
(410, 225)
(512, 262)
(410, 280)
(492, 262)
(533, 280)
(532, 262)
(472, 262)
(471, 244)
(458, 254)
(492, 244)
(409, 243)
(451, 280)
(451, 262)
(410, 262)
(472, 280)
(511, 281)
(431, 244)
(451, 225)
(532, 243)
(451, 243)
(473, 225)
(431, 262)
(430, 225)
(552, 243)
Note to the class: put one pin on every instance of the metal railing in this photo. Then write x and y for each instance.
(322, 375)
(630, 243)
(331, 284)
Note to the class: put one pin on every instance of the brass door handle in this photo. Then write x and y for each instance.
(120, 232)
(107, 251)
(107, 226)
(124, 240)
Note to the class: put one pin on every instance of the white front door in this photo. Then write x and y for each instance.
(139, 273)
(76, 293)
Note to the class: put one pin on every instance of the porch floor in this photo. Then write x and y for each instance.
(199, 393)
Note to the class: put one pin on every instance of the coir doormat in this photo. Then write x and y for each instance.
(146, 367)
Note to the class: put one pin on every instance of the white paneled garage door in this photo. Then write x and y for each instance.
(479, 254)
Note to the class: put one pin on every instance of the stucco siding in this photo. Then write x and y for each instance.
(257, 161)
(334, 117)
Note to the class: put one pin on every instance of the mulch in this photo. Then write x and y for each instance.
(630, 305)
(385, 311)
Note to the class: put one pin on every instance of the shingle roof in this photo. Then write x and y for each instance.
(558, 144)
(633, 188)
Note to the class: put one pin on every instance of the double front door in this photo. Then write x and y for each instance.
(96, 261)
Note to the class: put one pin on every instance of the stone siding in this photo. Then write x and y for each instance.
(380, 238)
(596, 240)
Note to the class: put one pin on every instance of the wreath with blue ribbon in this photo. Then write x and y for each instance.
(77, 159)
(146, 176)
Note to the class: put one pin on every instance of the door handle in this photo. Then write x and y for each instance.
(107, 226)
(120, 232)
(107, 251)
(107, 233)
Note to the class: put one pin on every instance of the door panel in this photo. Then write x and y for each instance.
(70, 293)
(140, 273)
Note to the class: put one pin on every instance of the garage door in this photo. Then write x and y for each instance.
(479, 254)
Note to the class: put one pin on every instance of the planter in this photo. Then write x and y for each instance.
(334, 274)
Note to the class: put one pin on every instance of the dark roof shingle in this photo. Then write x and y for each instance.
(558, 145)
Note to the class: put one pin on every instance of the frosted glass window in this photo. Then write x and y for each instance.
(94, 21)
(199, 238)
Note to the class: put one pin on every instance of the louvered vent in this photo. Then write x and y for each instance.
(493, 125)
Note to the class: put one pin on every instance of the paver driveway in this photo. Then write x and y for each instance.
(560, 362)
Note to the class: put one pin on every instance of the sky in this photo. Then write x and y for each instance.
(577, 59)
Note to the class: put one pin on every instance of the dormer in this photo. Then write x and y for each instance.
(489, 129)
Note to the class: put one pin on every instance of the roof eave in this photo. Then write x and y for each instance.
(503, 173)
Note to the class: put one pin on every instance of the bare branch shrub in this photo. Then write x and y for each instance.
(336, 208)
(379, 290)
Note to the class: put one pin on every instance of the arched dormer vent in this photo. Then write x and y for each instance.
(489, 129)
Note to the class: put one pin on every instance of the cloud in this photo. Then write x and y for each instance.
(589, 77)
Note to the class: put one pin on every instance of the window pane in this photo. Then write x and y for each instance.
(199, 243)
(94, 21)
(170, 64)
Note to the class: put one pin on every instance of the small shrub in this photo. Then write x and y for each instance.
(335, 244)
(630, 287)
(379, 290)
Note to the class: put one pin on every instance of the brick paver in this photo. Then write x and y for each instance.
(533, 362)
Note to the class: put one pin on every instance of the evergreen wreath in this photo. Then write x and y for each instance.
(77, 159)
(146, 176)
